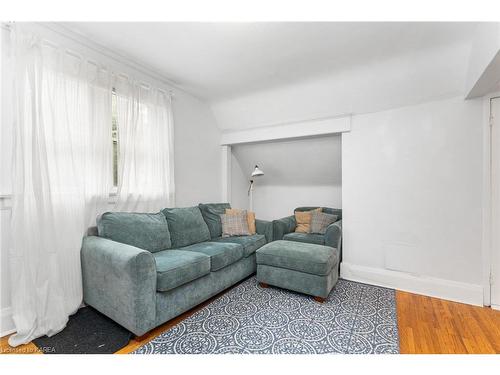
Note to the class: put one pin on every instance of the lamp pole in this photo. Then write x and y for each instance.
(250, 204)
(256, 173)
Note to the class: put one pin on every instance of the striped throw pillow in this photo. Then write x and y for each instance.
(250, 218)
(235, 224)
(320, 221)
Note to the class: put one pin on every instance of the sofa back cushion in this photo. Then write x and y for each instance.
(327, 210)
(211, 214)
(143, 230)
(186, 226)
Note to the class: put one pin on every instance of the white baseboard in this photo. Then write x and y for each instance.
(495, 307)
(429, 286)
(6, 323)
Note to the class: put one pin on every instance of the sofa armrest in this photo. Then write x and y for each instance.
(333, 235)
(283, 226)
(119, 280)
(265, 227)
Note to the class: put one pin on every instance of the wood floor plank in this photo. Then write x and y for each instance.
(29, 348)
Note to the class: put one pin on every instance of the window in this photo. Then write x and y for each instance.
(114, 136)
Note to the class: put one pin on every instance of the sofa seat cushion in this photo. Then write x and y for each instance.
(186, 226)
(318, 239)
(250, 243)
(145, 231)
(304, 257)
(178, 267)
(221, 254)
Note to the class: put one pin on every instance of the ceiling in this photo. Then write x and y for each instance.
(222, 60)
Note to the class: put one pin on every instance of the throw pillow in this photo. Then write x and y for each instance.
(303, 219)
(250, 218)
(320, 221)
(235, 224)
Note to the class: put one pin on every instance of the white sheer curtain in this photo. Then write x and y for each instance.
(61, 178)
(145, 128)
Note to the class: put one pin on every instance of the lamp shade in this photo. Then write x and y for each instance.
(257, 172)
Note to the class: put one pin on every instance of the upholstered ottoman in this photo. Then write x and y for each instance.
(302, 267)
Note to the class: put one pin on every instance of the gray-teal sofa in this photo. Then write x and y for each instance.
(142, 270)
(284, 229)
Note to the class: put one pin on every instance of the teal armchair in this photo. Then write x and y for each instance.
(264, 227)
(284, 229)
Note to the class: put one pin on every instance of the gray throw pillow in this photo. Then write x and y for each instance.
(235, 224)
(320, 221)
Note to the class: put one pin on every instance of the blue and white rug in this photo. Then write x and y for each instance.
(355, 319)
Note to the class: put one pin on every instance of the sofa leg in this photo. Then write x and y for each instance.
(263, 285)
(319, 299)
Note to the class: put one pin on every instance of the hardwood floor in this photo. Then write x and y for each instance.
(5, 348)
(431, 325)
(426, 326)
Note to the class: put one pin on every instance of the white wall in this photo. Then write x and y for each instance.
(403, 80)
(274, 202)
(300, 172)
(240, 181)
(484, 60)
(412, 199)
(495, 204)
(197, 152)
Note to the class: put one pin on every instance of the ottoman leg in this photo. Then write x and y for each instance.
(263, 285)
(319, 299)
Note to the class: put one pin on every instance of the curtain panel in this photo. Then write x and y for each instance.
(145, 128)
(63, 171)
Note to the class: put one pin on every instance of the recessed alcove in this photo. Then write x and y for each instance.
(298, 172)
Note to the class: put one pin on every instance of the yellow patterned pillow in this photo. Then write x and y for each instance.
(250, 218)
(303, 219)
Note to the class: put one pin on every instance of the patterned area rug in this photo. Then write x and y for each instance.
(355, 319)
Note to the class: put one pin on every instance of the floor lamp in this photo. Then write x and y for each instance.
(257, 172)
